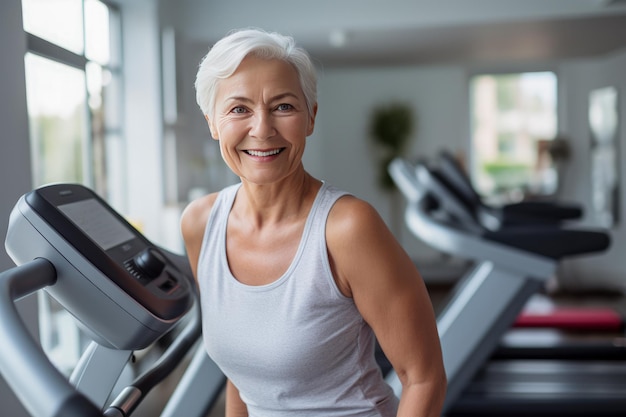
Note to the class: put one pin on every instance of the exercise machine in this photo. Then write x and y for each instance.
(547, 326)
(124, 292)
(495, 217)
(510, 266)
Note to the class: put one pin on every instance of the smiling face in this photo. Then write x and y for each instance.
(261, 120)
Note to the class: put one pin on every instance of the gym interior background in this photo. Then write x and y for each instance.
(418, 52)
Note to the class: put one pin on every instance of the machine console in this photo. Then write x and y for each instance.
(124, 290)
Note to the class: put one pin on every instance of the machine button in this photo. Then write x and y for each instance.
(150, 261)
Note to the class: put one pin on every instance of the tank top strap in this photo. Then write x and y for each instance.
(326, 199)
(328, 196)
(214, 227)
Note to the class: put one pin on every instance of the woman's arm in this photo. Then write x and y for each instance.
(371, 267)
(192, 224)
(235, 407)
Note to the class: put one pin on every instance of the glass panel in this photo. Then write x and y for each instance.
(59, 335)
(104, 98)
(57, 21)
(115, 37)
(112, 99)
(58, 120)
(115, 168)
(513, 117)
(96, 77)
(97, 37)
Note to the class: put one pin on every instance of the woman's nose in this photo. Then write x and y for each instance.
(262, 126)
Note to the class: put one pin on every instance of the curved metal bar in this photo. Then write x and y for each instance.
(43, 390)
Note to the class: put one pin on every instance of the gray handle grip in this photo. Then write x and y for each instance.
(41, 388)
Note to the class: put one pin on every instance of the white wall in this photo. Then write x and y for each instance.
(346, 158)
(143, 121)
(15, 174)
(579, 78)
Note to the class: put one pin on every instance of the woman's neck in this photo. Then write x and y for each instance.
(270, 204)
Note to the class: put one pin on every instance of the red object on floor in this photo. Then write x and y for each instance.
(573, 319)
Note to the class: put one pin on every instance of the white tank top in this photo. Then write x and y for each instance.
(296, 346)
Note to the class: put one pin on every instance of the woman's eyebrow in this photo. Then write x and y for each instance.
(284, 95)
(238, 98)
(273, 98)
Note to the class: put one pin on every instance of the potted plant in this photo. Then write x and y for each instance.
(391, 127)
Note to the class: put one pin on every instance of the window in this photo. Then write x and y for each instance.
(58, 120)
(73, 87)
(514, 122)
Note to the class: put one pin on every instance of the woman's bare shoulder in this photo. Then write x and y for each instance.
(353, 225)
(361, 247)
(352, 217)
(196, 214)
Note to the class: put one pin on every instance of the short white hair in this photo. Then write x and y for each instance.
(226, 55)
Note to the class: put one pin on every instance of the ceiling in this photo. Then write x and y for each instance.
(392, 32)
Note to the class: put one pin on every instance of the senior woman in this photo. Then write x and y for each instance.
(298, 278)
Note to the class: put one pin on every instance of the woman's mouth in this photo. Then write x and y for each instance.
(264, 153)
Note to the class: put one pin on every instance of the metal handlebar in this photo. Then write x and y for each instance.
(43, 390)
(40, 387)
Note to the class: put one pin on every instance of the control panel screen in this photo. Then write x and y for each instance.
(97, 222)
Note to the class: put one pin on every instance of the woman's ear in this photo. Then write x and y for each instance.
(211, 128)
(312, 120)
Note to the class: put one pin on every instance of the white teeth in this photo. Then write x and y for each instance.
(266, 153)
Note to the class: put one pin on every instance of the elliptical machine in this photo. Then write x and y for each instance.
(125, 293)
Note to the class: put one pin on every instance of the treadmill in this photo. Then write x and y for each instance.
(539, 336)
(511, 265)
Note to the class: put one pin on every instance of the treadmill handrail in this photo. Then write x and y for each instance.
(403, 174)
(41, 388)
(495, 217)
(452, 240)
(547, 241)
(471, 246)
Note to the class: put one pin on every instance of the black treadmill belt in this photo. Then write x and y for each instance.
(545, 388)
(561, 345)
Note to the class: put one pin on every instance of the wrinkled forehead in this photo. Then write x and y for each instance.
(256, 75)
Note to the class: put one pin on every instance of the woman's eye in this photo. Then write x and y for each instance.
(284, 107)
(238, 110)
